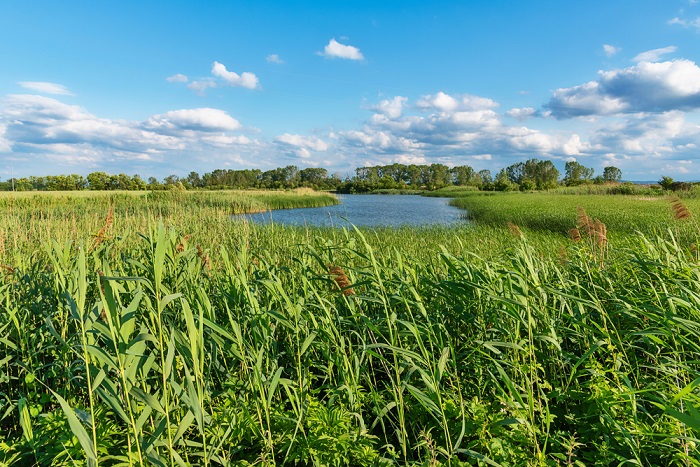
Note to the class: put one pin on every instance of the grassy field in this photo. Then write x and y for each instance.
(155, 330)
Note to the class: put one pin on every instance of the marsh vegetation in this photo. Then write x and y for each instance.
(155, 330)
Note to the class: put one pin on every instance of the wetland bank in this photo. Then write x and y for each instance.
(153, 329)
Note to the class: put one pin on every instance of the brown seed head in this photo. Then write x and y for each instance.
(583, 221)
(515, 230)
(183, 244)
(601, 233)
(575, 234)
(204, 257)
(680, 210)
(341, 280)
(102, 234)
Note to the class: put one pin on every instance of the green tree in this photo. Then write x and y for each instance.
(439, 175)
(533, 174)
(98, 181)
(171, 180)
(577, 174)
(154, 184)
(463, 175)
(666, 183)
(502, 182)
(194, 180)
(612, 174)
(313, 176)
(138, 182)
(484, 180)
(546, 175)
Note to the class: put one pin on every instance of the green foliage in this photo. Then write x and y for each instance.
(577, 174)
(533, 174)
(612, 174)
(183, 337)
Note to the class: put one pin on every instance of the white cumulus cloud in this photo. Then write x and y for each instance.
(53, 134)
(245, 80)
(522, 113)
(309, 142)
(644, 87)
(335, 49)
(447, 103)
(391, 108)
(440, 101)
(220, 77)
(46, 88)
(610, 50)
(204, 119)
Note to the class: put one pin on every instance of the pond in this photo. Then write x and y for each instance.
(369, 211)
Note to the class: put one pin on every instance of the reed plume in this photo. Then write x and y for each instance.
(575, 234)
(204, 257)
(583, 221)
(342, 283)
(600, 232)
(183, 244)
(594, 230)
(102, 234)
(515, 230)
(680, 210)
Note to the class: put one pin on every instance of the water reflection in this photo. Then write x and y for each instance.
(369, 211)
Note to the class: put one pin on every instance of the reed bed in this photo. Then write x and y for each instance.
(184, 338)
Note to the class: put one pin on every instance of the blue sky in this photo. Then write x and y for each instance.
(157, 88)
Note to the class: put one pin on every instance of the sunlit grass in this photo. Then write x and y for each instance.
(174, 335)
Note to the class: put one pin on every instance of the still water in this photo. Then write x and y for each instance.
(369, 211)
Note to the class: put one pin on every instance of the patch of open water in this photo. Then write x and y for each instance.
(369, 211)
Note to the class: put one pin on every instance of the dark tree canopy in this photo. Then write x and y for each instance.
(577, 174)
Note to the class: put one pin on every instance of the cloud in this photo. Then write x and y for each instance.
(5, 145)
(447, 129)
(202, 85)
(439, 128)
(610, 50)
(178, 78)
(482, 157)
(274, 58)
(37, 120)
(521, 113)
(641, 142)
(453, 129)
(391, 108)
(220, 77)
(334, 49)
(446, 103)
(46, 88)
(439, 101)
(245, 80)
(644, 87)
(53, 134)
(694, 23)
(301, 145)
(654, 55)
(205, 119)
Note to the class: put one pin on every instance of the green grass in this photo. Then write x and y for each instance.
(182, 337)
(556, 213)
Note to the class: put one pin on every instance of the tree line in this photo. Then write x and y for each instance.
(533, 174)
